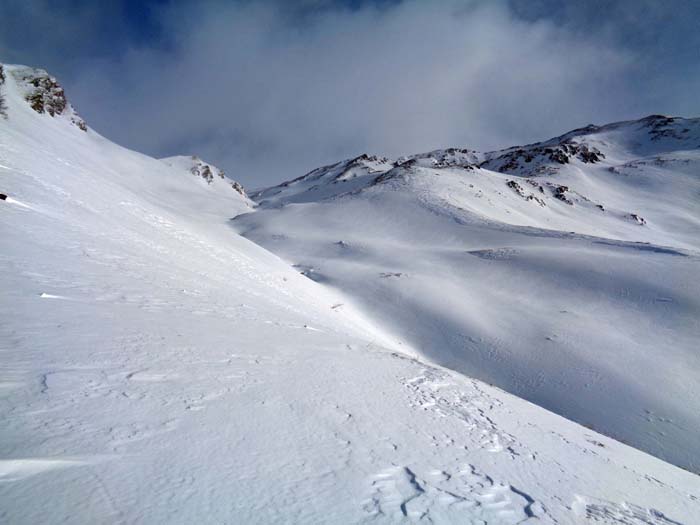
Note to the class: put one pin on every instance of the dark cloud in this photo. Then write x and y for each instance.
(271, 90)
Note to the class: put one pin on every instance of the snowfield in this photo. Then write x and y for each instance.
(571, 283)
(158, 367)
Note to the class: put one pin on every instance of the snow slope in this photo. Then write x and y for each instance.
(569, 278)
(159, 368)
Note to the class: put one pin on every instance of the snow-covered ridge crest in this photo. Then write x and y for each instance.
(587, 180)
(582, 147)
(328, 181)
(651, 135)
(212, 175)
(41, 91)
(32, 100)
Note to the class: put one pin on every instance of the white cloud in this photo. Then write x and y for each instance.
(269, 95)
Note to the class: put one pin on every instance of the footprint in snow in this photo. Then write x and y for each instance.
(601, 511)
(465, 495)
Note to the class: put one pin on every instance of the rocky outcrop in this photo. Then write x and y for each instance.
(442, 158)
(661, 127)
(45, 95)
(208, 172)
(638, 219)
(204, 170)
(239, 188)
(214, 177)
(542, 159)
(3, 106)
(517, 188)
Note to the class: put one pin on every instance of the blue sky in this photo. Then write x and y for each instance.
(269, 90)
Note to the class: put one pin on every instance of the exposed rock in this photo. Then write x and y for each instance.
(237, 186)
(535, 184)
(560, 193)
(541, 159)
(517, 188)
(3, 106)
(207, 171)
(362, 165)
(45, 95)
(539, 201)
(443, 158)
(79, 122)
(557, 155)
(640, 220)
(660, 127)
(589, 155)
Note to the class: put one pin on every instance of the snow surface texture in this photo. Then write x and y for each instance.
(159, 368)
(571, 278)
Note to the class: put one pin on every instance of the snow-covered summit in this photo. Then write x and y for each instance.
(442, 158)
(33, 105)
(327, 181)
(39, 90)
(652, 135)
(210, 174)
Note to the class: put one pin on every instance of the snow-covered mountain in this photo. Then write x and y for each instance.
(158, 367)
(603, 181)
(565, 272)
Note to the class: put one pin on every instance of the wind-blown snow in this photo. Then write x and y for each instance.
(159, 368)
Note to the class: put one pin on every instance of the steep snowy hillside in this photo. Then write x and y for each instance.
(570, 279)
(159, 368)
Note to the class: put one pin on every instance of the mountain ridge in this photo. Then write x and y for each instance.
(467, 263)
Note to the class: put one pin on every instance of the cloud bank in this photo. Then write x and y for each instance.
(269, 92)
